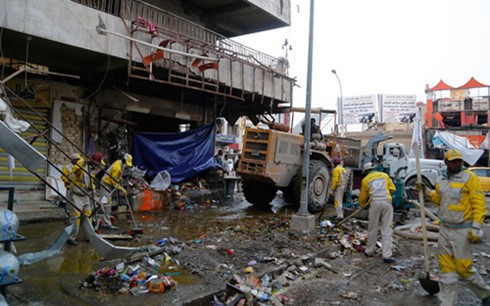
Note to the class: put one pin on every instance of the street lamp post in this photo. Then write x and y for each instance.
(303, 208)
(303, 220)
(341, 100)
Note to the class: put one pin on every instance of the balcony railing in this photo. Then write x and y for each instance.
(134, 9)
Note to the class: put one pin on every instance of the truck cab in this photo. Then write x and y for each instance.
(394, 159)
(397, 164)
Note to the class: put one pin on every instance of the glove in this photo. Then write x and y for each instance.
(475, 233)
(421, 187)
(366, 206)
(123, 191)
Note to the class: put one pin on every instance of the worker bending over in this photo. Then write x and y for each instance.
(111, 181)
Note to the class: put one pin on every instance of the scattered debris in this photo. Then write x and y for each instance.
(349, 295)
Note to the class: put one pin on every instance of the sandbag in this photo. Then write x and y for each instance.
(161, 181)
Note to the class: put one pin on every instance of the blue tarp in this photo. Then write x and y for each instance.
(183, 155)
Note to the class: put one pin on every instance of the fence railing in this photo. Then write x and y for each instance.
(134, 9)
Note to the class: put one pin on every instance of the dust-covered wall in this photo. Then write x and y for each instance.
(71, 126)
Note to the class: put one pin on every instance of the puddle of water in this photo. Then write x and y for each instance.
(179, 274)
(44, 281)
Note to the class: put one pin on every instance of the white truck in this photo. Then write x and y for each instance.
(397, 164)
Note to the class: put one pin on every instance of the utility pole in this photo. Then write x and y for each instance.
(340, 106)
(303, 220)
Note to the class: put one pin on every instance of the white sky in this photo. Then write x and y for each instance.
(382, 46)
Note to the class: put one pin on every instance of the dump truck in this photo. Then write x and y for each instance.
(272, 160)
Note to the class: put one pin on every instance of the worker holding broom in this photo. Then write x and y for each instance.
(111, 181)
(81, 186)
(462, 210)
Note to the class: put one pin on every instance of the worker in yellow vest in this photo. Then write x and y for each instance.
(111, 181)
(67, 174)
(462, 210)
(376, 190)
(81, 186)
(339, 182)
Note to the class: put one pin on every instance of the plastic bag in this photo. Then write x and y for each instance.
(161, 181)
(58, 184)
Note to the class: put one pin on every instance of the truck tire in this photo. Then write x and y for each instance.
(257, 193)
(317, 189)
(410, 191)
(318, 186)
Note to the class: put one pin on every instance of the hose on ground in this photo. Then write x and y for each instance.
(414, 231)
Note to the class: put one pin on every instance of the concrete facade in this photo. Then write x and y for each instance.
(105, 81)
(62, 35)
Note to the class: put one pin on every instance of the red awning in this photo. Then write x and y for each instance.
(472, 83)
(441, 86)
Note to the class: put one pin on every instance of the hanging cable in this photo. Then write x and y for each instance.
(181, 108)
(103, 79)
(1, 54)
(29, 38)
(223, 108)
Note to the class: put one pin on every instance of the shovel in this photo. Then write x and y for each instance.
(429, 285)
(352, 215)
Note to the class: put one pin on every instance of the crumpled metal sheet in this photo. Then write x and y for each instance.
(55, 248)
(103, 247)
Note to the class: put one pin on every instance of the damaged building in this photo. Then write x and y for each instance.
(459, 115)
(100, 71)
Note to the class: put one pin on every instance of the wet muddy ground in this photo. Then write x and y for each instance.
(220, 242)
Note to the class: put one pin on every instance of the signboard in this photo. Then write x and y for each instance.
(458, 94)
(226, 138)
(480, 104)
(354, 107)
(36, 94)
(393, 106)
(448, 105)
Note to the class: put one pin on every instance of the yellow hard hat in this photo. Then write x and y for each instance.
(75, 156)
(129, 159)
(453, 154)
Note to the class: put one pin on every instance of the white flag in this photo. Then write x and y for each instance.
(417, 136)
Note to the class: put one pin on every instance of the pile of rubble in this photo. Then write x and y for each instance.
(134, 279)
(269, 288)
(140, 274)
